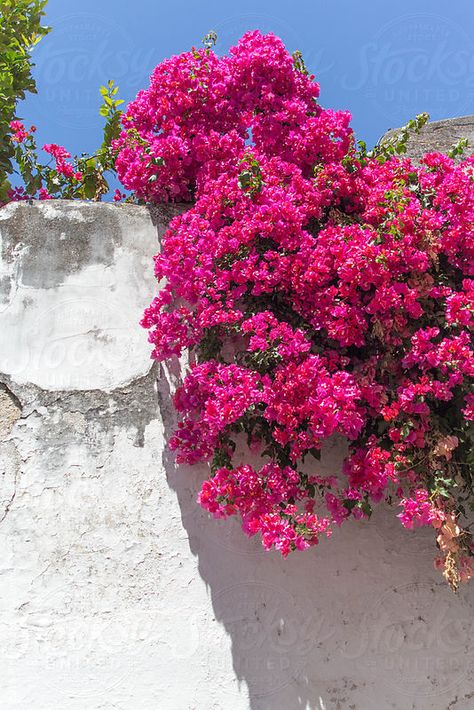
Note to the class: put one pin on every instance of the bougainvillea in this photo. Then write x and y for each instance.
(321, 290)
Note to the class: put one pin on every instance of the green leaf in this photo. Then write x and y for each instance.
(90, 186)
(20, 31)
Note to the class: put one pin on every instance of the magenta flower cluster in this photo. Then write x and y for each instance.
(63, 167)
(320, 290)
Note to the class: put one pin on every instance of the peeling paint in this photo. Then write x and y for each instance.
(116, 589)
(10, 410)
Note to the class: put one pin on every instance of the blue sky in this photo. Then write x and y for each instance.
(384, 62)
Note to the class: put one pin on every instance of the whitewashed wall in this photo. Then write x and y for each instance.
(116, 590)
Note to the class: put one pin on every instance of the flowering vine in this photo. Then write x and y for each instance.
(321, 289)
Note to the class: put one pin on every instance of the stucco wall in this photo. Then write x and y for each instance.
(116, 590)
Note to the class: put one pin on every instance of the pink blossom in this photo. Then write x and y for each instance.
(321, 292)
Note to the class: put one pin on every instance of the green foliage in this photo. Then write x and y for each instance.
(396, 144)
(20, 31)
(458, 148)
(88, 181)
(250, 179)
(210, 40)
(298, 62)
(93, 167)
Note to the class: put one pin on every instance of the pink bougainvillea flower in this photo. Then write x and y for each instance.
(324, 294)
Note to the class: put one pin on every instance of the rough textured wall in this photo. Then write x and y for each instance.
(116, 591)
(440, 135)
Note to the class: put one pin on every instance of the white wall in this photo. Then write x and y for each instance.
(116, 590)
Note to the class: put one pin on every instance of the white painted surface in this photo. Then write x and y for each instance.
(79, 329)
(116, 590)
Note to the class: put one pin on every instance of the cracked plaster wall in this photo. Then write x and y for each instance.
(116, 590)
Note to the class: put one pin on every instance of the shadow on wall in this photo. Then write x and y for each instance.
(361, 622)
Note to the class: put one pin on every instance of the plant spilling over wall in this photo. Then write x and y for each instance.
(321, 289)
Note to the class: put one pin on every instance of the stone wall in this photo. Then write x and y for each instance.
(117, 592)
(440, 135)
